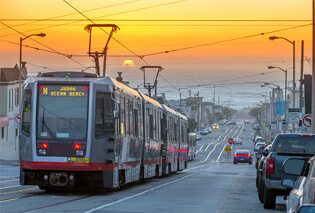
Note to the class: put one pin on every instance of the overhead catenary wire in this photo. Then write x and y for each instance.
(123, 44)
(119, 13)
(223, 41)
(52, 50)
(57, 18)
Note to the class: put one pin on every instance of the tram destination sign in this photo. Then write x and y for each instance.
(63, 90)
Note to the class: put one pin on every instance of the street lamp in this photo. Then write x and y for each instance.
(293, 43)
(20, 62)
(285, 88)
(278, 88)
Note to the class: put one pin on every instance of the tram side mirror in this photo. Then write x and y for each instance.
(115, 114)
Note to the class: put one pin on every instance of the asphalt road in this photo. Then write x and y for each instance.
(212, 183)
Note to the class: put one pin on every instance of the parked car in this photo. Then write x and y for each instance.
(242, 156)
(258, 138)
(203, 131)
(258, 145)
(294, 198)
(198, 136)
(284, 147)
(259, 178)
(238, 141)
(231, 123)
(209, 129)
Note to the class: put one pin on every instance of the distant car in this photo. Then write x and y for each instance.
(231, 123)
(215, 126)
(209, 129)
(198, 136)
(238, 141)
(203, 131)
(258, 145)
(242, 156)
(256, 127)
(222, 122)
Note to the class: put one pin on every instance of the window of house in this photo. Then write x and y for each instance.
(17, 96)
(11, 99)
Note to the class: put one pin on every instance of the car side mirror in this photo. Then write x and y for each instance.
(258, 155)
(265, 152)
(289, 183)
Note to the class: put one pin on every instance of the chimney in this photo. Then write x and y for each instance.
(119, 78)
(23, 70)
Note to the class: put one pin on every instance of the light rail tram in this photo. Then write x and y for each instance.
(78, 130)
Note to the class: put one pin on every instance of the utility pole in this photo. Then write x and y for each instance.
(301, 76)
(96, 55)
(313, 71)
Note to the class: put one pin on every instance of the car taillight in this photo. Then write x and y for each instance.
(77, 146)
(248, 156)
(271, 166)
(45, 145)
(235, 155)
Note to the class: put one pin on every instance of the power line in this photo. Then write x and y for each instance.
(52, 50)
(119, 13)
(125, 45)
(223, 41)
(56, 18)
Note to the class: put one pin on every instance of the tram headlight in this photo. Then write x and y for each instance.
(79, 152)
(42, 151)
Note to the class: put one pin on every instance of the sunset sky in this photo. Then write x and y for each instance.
(225, 36)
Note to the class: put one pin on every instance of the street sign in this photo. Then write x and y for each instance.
(294, 115)
(17, 120)
(273, 125)
(307, 124)
(278, 132)
(228, 149)
(231, 141)
(285, 125)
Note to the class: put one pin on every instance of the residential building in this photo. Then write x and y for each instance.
(9, 108)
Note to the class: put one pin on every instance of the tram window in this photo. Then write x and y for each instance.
(140, 121)
(122, 116)
(104, 119)
(135, 123)
(27, 109)
(127, 116)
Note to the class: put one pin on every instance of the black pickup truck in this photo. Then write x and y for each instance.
(285, 146)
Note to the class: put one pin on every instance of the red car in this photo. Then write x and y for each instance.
(242, 156)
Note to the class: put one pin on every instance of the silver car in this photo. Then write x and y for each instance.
(296, 193)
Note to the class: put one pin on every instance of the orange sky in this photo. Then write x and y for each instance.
(244, 56)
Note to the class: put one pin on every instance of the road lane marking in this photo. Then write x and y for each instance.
(226, 144)
(4, 181)
(200, 149)
(22, 190)
(3, 201)
(7, 187)
(136, 195)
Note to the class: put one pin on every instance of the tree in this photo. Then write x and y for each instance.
(255, 112)
(192, 124)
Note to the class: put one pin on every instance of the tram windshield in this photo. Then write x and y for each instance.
(62, 112)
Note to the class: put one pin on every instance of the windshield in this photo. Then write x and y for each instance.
(62, 112)
(295, 145)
